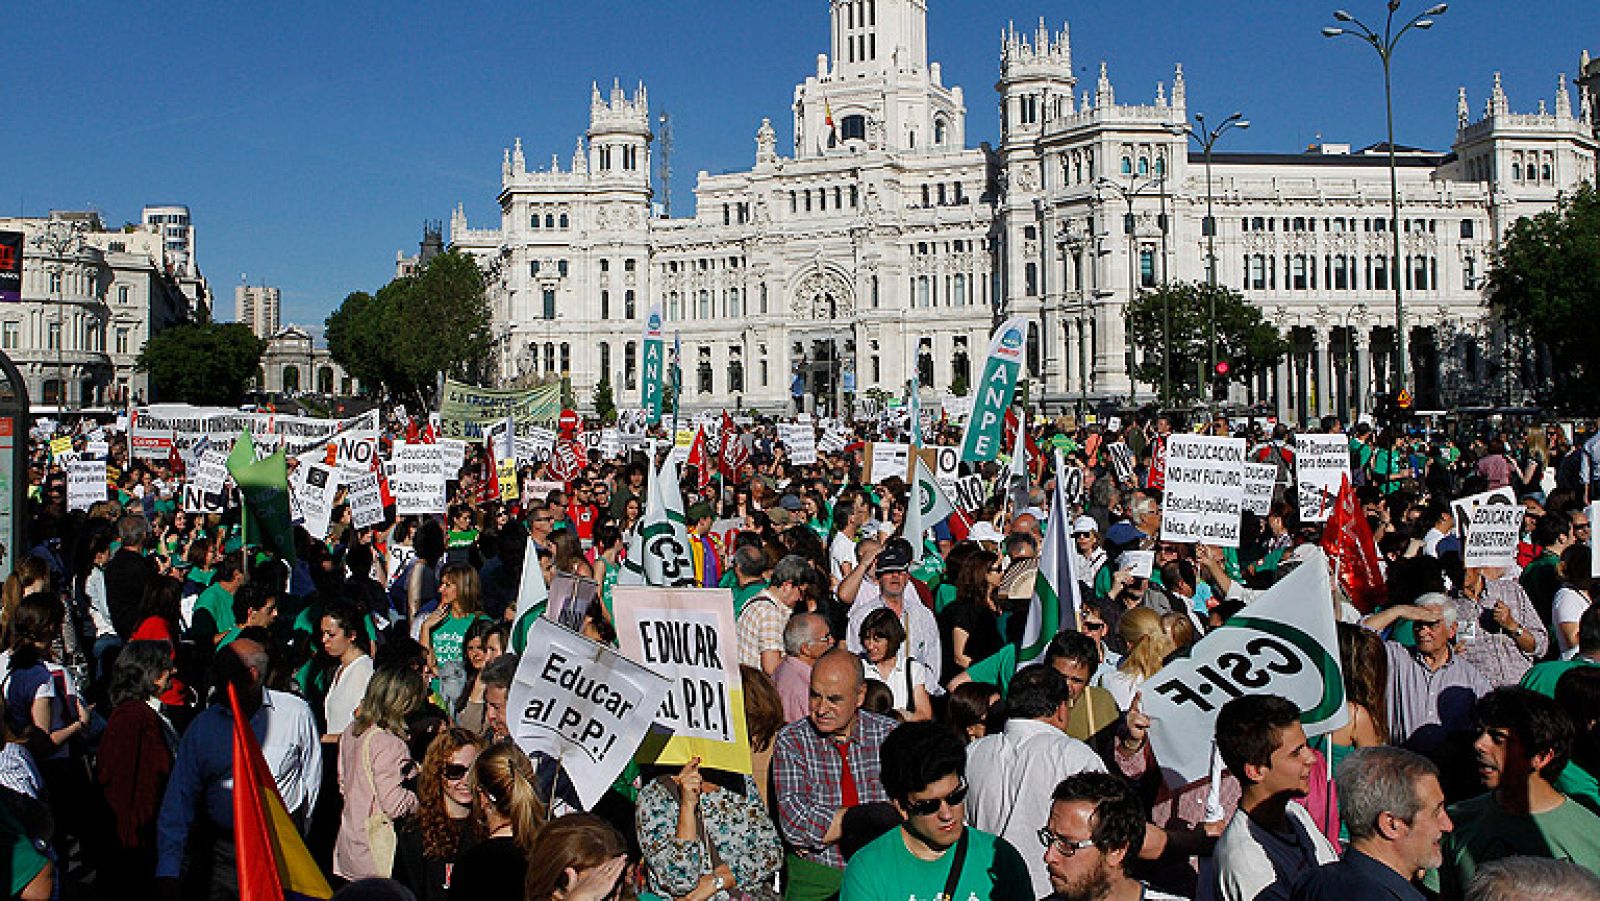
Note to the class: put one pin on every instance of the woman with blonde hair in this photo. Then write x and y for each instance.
(1148, 648)
(580, 857)
(433, 839)
(445, 629)
(375, 766)
(507, 800)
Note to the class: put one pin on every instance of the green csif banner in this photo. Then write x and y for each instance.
(986, 426)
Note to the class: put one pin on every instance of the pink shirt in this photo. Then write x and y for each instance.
(793, 679)
(391, 766)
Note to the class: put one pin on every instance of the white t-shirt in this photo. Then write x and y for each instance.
(1567, 607)
(349, 686)
(841, 551)
(896, 680)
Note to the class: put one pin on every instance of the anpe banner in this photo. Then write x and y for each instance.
(1284, 644)
(10, 267)
(582, 704)
(685, 634)
(466, 411)
(655, 366)
(985, 435)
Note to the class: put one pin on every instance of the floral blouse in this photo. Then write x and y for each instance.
(743, 833)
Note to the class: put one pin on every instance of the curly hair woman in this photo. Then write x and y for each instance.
(432, 840)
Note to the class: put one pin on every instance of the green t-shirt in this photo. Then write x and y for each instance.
(886, 870)
(1542, 677)
(25, 855)
(1484, 833)
(448, 636)
(464, 538)
(218, 602)
(1576, 783)
(996, 669)
(742, 596)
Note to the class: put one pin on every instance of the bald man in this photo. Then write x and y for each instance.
(822, 766)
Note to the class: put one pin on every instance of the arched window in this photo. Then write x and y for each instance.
(1544, 172)
(549, 220)
(630, 363)
(1161, 165)
(1516, 172)
(564, 220)
(1144, 165)
(1127, 165)
(853, 127)
(940, 131)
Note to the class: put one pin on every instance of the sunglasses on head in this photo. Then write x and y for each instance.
(455, 772)
(927, 807)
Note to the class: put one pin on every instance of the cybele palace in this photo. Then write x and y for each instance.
(880, 245)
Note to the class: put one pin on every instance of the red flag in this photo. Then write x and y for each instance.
(1157, 478)
(1347, 540)
(272, 860)
(699, 459)
(734, 453)
(1037, 458)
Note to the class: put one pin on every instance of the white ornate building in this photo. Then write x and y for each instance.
(91, 297)
(882, 245)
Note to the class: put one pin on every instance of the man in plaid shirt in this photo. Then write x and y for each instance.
(822, 766)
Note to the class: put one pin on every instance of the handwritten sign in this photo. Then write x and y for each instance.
(1321, 464)
(1259, 479)
(1204, 490)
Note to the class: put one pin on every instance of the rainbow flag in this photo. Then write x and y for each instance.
(273, 862)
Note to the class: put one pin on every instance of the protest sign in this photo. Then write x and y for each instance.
(534, 446)
(1259, 479)
(417, 479)
(158, 430)
(194, 499)
(1490, 525)
(957, 408)
(582, 704)
(210, 472)
(1205, 488)
(834, 440)
(455, 456)
(944, 462)
(610, 445)
(886, 459)
(800, 440)
(1139, 564)
(683, 634)
(970, 493)
(566, 460)
(569, 599)
(316, 491)
(366, 501)
(86, 483)
(397, 556)
(1284, 644)
(1321, 464)
(100, 450)
(1121, 461)
(541, 489)
(465, 411)
(682, 442)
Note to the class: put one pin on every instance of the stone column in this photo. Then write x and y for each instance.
(1321, 348)
(1363, 370)
(1282, 378)
(1069, 355)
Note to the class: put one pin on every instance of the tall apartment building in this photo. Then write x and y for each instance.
(257, 306)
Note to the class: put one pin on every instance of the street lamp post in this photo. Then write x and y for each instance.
(1128, 195)
(1384, 44)
(1207, 137)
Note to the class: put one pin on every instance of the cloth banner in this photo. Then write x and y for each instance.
(465, 411)
(1284, 643)
(985, 436)
(682, 634)
(582, 704)
(1321, 464)
(653, 378)
(1205, 489)
(156, 431)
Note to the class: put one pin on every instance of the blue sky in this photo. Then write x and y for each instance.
(311, 140)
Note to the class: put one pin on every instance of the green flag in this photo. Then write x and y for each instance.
(1055, 590)
(986, 426)
(264, 485)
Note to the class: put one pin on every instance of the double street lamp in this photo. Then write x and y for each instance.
(1207, 138)
(1384, 44)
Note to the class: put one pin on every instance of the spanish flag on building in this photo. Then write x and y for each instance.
(274, 864)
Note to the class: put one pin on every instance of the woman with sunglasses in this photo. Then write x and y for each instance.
(431, 841)
(511, 813)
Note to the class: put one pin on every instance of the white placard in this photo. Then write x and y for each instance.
(210, 472)
(316, 490)
(86, 483)
(366, 501)
(1259, 480)
(1139, 564)
(398, 555)
(970, 493)
(957, 408)
(610, 444)
(800, 440)
(888, 459)
(534, 447)
(1204, 490)
(1321, 464)
(455, 456)
(100, 450)
(417, 479)
(1490, 525)
(834, 440)
(196, 500)
(581, 703)
(1121, 461)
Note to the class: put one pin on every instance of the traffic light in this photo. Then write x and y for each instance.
(1222, 368)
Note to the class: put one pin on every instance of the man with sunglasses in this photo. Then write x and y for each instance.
(1097, 825)
(933, 853)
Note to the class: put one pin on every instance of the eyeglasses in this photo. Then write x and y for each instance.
(1093, 627)
(1064, 847)
(455, 772)
(927, 807)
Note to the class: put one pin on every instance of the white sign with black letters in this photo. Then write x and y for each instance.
(1321, 464)
(1204, 490)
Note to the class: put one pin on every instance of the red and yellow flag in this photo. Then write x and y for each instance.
(273, 862)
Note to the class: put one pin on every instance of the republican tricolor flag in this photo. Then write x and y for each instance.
(273, 862)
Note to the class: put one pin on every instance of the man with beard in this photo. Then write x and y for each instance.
(1523, 743)
(1097, 825)
(933, 854)
(1390, 800)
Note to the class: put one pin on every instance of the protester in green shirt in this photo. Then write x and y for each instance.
(462, 532)
(933, 852)
(746, 576)
(1523, 745)
(213, 609)
(460, 605)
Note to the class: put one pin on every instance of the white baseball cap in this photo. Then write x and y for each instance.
(1085, 524)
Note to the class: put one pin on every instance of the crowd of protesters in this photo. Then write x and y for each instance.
(899, 752)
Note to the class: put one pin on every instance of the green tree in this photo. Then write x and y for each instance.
(416, 327)
(1545, 283)
(202, 362)
(1245, 341)
(605, 404)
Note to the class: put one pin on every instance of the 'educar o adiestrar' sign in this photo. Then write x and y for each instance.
(582, 704)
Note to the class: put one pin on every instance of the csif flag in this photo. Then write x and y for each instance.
(985, 435)
(272, 860)
(1347, 540)
(655, 366)
(533, 595)
(659, 554)
(1055, 590)
(927, 507)
(264, 485)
